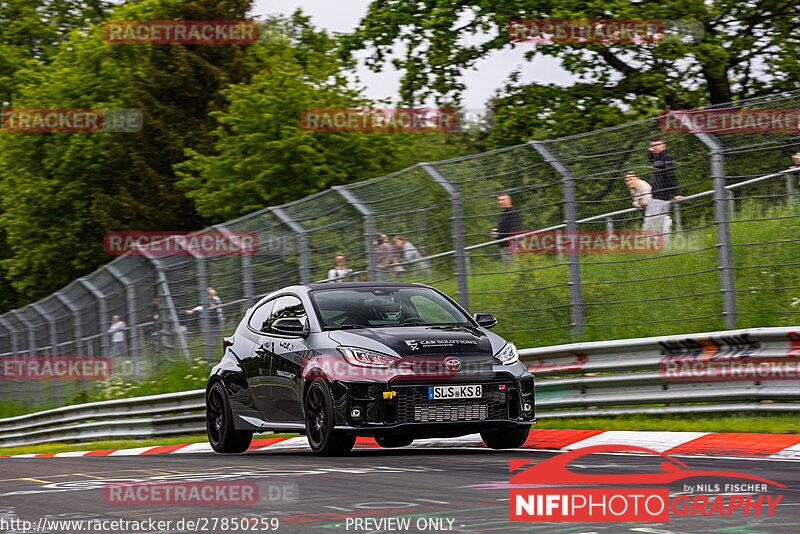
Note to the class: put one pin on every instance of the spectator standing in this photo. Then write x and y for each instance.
(384, 255)
(117, 331)
(795, 161)
(509, 223)
(665, 187)
(340, 271)
(407, 252)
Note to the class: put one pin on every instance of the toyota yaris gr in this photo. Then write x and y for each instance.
(395, 361)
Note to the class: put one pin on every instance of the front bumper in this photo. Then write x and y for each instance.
(403, 406)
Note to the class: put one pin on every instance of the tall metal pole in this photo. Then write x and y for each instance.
(302, 242)
(370, 236)
(459, 243)
(722, 217)
(130, 301)
(571, 222)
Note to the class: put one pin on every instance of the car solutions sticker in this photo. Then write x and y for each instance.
(631, 497)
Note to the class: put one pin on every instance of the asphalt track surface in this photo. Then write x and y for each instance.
(442, 489)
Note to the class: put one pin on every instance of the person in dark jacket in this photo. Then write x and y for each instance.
(509, 223)
(665, 187)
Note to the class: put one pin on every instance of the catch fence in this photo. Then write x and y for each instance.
(730, 258)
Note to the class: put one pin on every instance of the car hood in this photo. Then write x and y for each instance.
(462, 341)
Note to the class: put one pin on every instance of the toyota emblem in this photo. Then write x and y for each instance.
(452, 364)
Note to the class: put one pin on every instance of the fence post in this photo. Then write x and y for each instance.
(247, 269)
(302, 242)
(105, 345)
(51, 324)
(369, 229)
(723, 214)
(12, 337)
(459, 244)
(130, 302)
(571, 221)
(170, 304)
(31, 347)
(790, 189)
(676, 206)
(76, 325)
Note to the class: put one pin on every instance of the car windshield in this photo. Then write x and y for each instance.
(385, 306)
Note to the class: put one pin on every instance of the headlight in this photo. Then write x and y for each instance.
(368, 358)
(508, 355)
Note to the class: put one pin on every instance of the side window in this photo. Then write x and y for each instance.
(286, 306)
(259, 318)
(430, 311)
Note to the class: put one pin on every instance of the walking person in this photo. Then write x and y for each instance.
(509, 223)
(665, 187)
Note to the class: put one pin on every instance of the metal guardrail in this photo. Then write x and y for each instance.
(604, 378)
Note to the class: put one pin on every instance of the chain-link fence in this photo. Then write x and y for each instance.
(727, 254)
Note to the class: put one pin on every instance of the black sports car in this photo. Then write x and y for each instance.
(395, 361)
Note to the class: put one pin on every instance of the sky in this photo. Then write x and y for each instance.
(489, 74)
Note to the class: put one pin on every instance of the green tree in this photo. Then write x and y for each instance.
(443, 38)
(263, 156)
(61, 192)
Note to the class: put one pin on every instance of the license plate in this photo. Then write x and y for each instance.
(455, 392)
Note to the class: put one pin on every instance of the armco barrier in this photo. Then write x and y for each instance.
(576, 380)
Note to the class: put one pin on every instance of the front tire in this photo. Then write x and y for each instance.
(506, 438)
(323, 438)
(222, 434)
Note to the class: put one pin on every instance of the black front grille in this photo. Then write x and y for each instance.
(413, 406)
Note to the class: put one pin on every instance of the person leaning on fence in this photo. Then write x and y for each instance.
(640, 195)
(665, 187)
(214, 306)
(117, 331)
(509, 223)
(384, 253)
(340, 271)
(407, 252)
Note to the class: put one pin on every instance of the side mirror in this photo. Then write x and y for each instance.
(290, 326)
(486, 320)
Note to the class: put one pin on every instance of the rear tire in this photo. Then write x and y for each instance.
(392, 441)
(222, 434)
(319, 417)
(506, 438)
